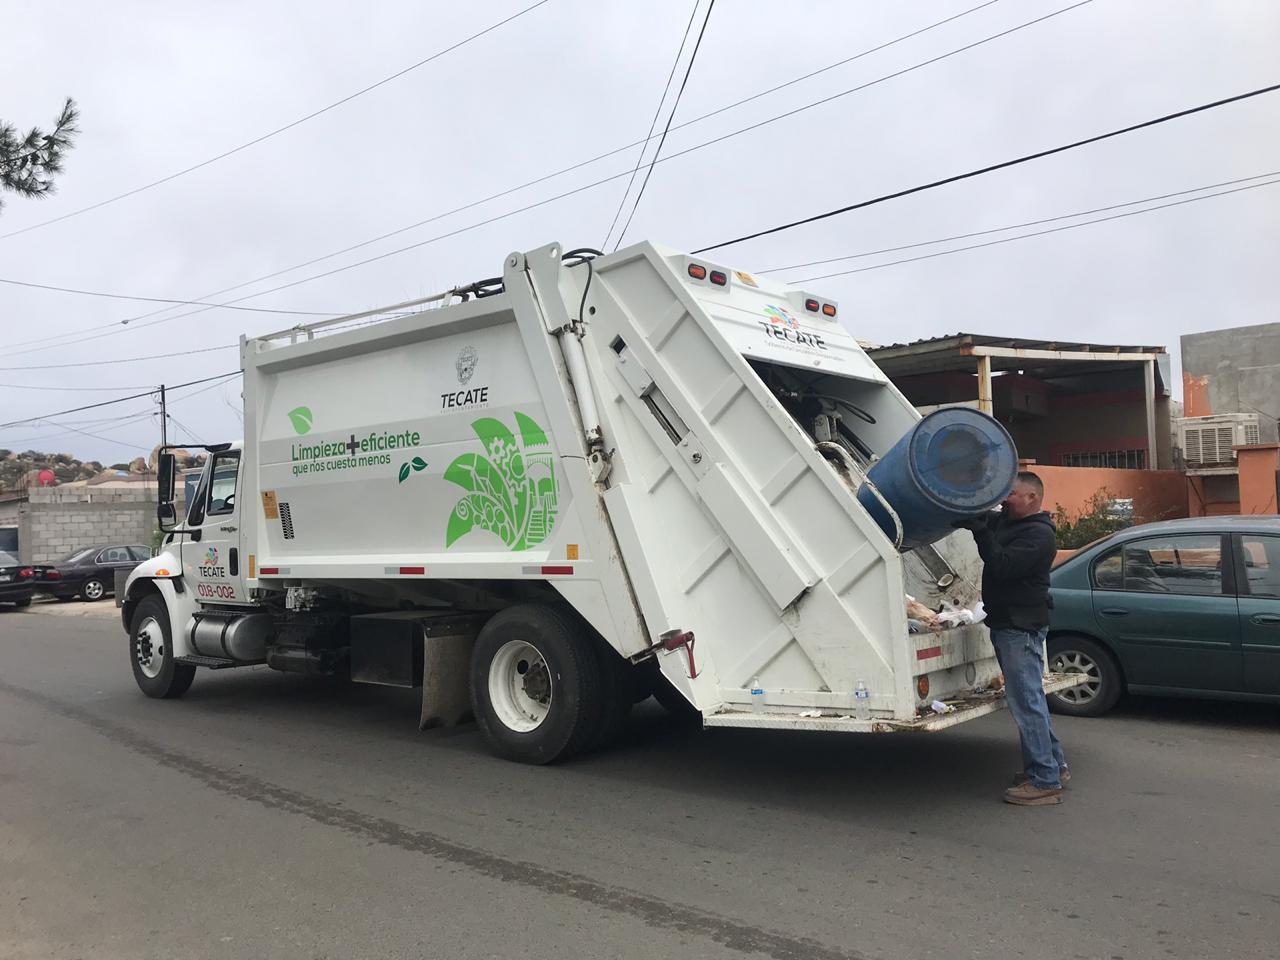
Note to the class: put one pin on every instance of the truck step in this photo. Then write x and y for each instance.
(215, 663)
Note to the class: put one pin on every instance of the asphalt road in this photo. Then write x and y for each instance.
(267, 816)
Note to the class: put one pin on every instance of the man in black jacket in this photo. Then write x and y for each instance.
(1017, 547)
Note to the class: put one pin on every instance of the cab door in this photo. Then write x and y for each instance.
(211, 561)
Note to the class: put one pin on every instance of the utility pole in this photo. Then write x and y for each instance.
(164, 421)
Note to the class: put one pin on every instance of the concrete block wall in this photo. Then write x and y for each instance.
(57, 521)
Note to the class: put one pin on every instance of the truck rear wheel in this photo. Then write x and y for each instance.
(535, 684)
(151, 652)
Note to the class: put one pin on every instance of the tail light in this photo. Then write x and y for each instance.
(922, 687)
(718, 278)
(811, 306)
(828, 310)
(52, 575)
(26, 573)
(697, 271)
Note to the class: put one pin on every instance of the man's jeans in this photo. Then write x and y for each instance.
(1021, 656)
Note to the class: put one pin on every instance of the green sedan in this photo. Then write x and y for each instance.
(1180, 608)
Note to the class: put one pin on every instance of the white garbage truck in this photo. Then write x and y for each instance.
(546, 496)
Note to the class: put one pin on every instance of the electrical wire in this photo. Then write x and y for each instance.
(278, 130)
(202, 303)
(27, 386)
(584, 163)
(1037, 233)
(993, 167)
(107, 403)
(622, 202)
(95, 363)
(1015, 226)
(667, 129)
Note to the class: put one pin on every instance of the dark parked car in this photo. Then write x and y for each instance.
(1180, 608)
(17, 580)
(89, 574)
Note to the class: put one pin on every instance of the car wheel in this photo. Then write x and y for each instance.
(1081, 655)
(535, 684)
(158, 674)
(93, 590)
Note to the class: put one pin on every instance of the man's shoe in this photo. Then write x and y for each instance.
(1029, 795)
(1064, 776)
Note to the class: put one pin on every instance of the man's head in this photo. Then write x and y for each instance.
(1026, 496)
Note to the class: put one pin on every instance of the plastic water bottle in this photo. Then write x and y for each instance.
(862, 701)
(757, 696)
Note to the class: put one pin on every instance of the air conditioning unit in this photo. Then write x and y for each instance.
(1207, 441)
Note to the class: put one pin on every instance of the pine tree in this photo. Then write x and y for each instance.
(28, 163)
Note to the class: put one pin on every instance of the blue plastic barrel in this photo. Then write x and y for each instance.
(955, 463)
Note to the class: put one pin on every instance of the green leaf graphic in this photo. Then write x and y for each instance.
(404, 472)
(301, 419)
(419, 463)
(512, 489)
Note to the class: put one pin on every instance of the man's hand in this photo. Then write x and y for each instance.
(971, 523)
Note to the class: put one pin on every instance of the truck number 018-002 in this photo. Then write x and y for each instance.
(222, 591)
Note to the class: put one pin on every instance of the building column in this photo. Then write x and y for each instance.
(1149, 394)
(1258, 464)
(984, 386)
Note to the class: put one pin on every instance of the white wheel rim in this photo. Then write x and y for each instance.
(520, 687)
(1073, 661)
(148, 648)
(93, 590)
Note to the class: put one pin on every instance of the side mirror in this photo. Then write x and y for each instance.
(168, 517)
(166, 474)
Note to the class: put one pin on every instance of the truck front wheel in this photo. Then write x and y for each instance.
(151, 652)
(535, 684)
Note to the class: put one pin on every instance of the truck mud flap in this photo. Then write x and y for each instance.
(969, 708)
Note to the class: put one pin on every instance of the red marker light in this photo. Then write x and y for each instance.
(811, 306)
(718, 278)
(697, 271)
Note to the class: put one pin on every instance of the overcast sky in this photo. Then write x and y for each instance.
(164, 86)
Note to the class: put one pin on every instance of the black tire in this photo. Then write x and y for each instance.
(552, 652)
(616, 695)
(1072, 654)
(673, 701)
(170, 679)
(92, 590)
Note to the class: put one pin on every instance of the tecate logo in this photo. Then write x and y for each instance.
(781, 315)
(211, 557)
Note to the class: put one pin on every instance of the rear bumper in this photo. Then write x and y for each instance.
(15, 592)
(969, 708)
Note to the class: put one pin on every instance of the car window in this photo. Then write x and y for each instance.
(1108, 571)
(1180, 564)
(222, 491)
(1261, 565)
(114, 555)
(140, 553)
(78, 556)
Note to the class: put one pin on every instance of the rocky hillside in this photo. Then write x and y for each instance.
(19, 470)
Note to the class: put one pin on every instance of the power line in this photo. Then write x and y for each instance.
(995, 166)
(27, 386)
(202, 303)
(584, 163)
(622, 202)
(667, 129)
(1014, 226)
(96, 363)
(107, 403)
(1038, 233)
(278, 130)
